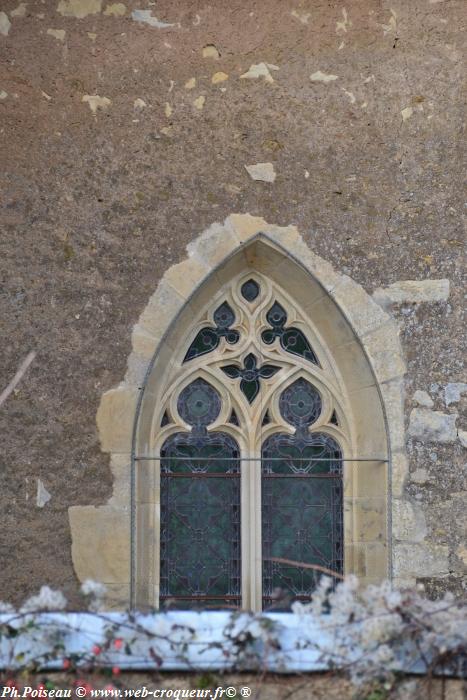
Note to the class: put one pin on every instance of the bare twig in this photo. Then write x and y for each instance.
(303, 565)
(17, 378)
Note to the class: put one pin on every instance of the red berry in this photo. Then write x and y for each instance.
(115, 670)
(96, 650)
(118, 643)
(66, 663)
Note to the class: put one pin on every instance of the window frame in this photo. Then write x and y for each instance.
(181, 373)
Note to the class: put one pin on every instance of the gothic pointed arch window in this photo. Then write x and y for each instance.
(250, 432)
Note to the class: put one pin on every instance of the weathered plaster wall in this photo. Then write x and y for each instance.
(123, 136)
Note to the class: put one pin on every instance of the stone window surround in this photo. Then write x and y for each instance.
(361, 338)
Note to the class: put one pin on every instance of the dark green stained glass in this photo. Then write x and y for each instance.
(250, 375)
(200, 509)
(301, 499)
(292, 339)
(208, 339)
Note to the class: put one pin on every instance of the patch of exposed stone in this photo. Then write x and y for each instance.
(432, 426)
(412, 292)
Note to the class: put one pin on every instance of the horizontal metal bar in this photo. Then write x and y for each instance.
(237, 475)
(200, 597)
(144, 458)
(198, 475)
(301, 476)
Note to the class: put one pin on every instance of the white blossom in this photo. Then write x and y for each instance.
(6, 608)
(46, 599)
(93, 588)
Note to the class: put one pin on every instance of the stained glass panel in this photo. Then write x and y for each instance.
(292, 339)
(301, 500)
(200, 509)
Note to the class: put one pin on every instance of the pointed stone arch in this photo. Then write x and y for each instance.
(117, 543)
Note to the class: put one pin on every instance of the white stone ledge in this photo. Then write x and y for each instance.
(412, 292)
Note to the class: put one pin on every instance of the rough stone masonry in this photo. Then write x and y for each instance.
(128, 128)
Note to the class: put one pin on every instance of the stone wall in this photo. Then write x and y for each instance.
(128, 128)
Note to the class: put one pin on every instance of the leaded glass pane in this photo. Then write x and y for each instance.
(200, 508)
(291, 339)
(208, 338)
(200, 521)
(301, 506)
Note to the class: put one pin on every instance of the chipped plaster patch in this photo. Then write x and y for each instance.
(5, 24)
(42, 496)
(453, 392)
(199, 102)
(260, 70)
(320, 77)
(350, 95)
(341, 26)
(92, 36)
(96, 102)
(44, 94)
(139, 103)
(302, 17)
(219, 77)
(3, 95)
(168, 110)
(20, 11)
(261, 171)
(190, 84)
(145, 17)
(117, 9)
(79, 8)
(406, 113)
(391, 26)
(57, 33)
(210, 51)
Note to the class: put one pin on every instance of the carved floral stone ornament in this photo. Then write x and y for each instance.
(260, 423)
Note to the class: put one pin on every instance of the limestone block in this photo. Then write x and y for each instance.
(214, 245)
(463, 437)
(245, 226)
(392, 394)
(385, 352)
(285, 236)
(137, 366)
(115, 418)
(143, 342)
(161, 309)
(412, 292)
(420, 560)
(186, 276)
(423, 398)
(376, 560)
(101, 543)
(408, 521)
(432, 426)
(316, 266)
(359, 308)
(370, 519)
(400, 470)
(120, 465)
(117, 596)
